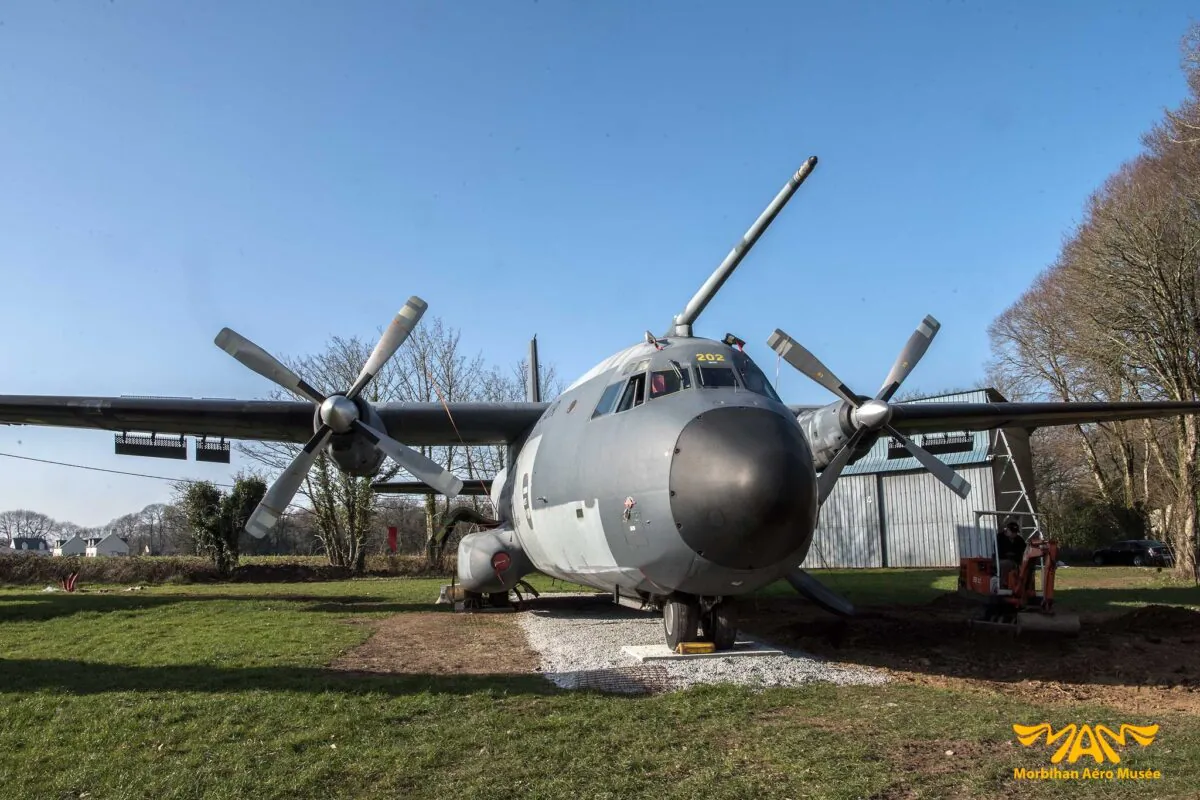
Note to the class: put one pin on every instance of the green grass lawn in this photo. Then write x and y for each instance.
(224, 691)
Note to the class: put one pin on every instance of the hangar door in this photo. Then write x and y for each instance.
(847, 532)
(924, 522)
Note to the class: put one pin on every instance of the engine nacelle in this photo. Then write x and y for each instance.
(353, 454)
(826, 429)
(491, 561)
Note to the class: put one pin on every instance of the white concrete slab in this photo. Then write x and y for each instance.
(660, 652)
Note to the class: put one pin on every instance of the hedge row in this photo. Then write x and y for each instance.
(24, 569)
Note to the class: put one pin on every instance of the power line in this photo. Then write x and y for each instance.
(113, 471)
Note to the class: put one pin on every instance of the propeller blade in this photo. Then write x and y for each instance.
(957, 483)
(819, 593)
(829, 475)
(397, 332)
(429, 471)
(280, 495)
(913, 350)
(795, 354)
(265, 364)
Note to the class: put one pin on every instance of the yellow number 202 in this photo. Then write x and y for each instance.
(710, 357)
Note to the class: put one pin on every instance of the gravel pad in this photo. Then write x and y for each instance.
(580, 647)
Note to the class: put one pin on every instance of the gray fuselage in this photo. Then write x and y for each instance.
(666, 469)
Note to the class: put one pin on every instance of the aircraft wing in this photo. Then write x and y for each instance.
(269, 420)
(948, 417)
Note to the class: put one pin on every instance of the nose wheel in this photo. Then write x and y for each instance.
(681, 621)
(694, 620)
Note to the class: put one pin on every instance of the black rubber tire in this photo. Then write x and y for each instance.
(1137, 561)
(498, 600)
(681, 621)
(721, 626)
(1098, 561)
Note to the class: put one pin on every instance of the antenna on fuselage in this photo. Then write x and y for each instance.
(534, 390)
(683, 322)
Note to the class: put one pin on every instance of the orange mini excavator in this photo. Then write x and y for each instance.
(1010, 596)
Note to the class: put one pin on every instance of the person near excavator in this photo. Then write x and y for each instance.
(1010, 548)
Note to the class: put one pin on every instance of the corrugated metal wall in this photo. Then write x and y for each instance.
(922, 518)
(924, 523)
(847, 533)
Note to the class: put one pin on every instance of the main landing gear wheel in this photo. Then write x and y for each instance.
(681, 621)
(719, 625)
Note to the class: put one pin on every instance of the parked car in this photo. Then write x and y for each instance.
(1138, 552)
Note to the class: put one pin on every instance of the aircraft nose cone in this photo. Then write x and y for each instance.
(743, 489)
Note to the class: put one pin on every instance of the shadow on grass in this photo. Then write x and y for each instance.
(1129, 636)
(41, 607)
(19, 676)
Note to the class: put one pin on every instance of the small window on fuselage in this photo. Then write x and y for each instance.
(669, 381)
(716, 377)
(608, 399)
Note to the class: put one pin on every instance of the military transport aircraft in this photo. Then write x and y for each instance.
(671, 471)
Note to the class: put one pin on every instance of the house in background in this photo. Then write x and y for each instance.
(30, 544)
(74, 546)
(111, 545)
(5, 548)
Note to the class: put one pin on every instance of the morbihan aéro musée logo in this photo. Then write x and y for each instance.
(1076, 742)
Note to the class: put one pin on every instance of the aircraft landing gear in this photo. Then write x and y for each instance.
(695, 619)
(719, 625)
(681, 621)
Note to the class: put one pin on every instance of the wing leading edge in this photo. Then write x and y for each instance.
(948, 417)
(490, 423)
(269, 420)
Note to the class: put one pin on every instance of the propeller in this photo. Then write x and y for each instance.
(811, 588)
(338, 413)
(870, 416)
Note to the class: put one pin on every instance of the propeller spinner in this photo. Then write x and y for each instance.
(338, 413)
(870, 416)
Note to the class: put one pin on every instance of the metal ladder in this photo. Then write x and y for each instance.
(1021, 502)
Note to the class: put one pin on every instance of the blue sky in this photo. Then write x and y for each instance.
(575, 170)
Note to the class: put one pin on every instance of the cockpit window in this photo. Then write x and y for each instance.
(754, 379)
(608, 399)
(635, 393)
(716, 377)
(668, 381)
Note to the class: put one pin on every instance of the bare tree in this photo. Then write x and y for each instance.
(1182, 126)
(1117, 317)
(509, 386)
(434, 370)
(341, 506)
(26, 524)
(430, 367)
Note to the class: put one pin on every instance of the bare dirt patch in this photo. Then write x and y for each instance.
(1143, 661)
(442, 643)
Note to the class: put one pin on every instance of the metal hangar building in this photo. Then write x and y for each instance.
(887, 511)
